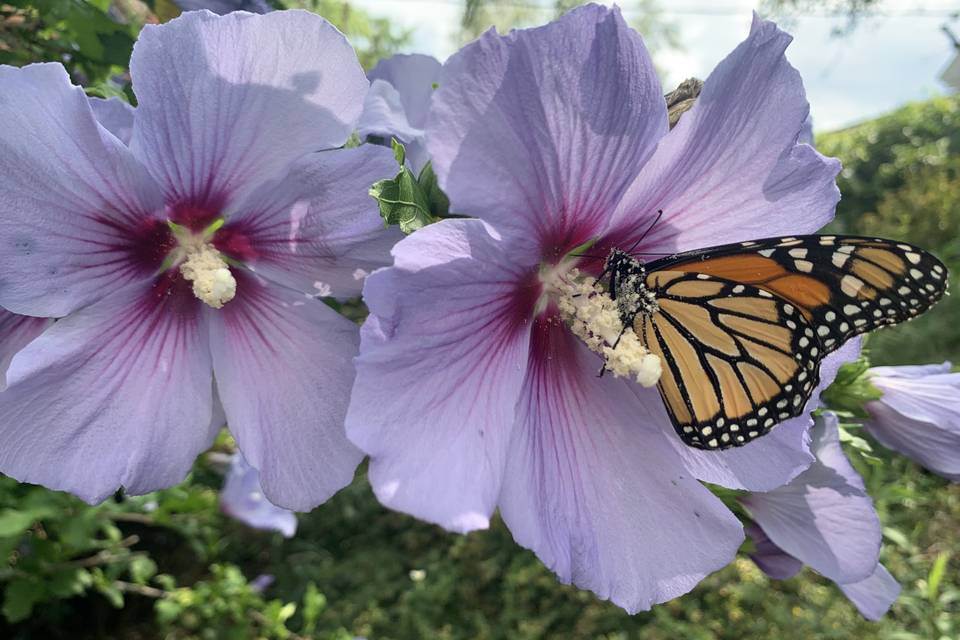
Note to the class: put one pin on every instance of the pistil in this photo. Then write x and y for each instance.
(592, 316)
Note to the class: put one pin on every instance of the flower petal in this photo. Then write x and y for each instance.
(441, 363)
(770, 461)
(543, 129)
(413, 76)
(316, 229)
(116, 394)
(599, 496)
(934, 445)
(732, 169)
(223, 7)
(242, 499)
(383, 114)
(219, 112)
(874, 595)
(16, 332)
(283, 366)
(933, 397)
(114, 115)
(771, 559)
(74, 198)
(823, 517)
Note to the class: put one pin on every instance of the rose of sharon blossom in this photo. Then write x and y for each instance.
(824, 518)
(397, 104)
(919, 415)
(223, 7)
(242, 499)
(473, 392)
(190, 255)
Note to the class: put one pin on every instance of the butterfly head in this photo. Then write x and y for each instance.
(627, 286)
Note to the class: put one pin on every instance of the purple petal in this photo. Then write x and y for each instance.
(116, 394)
(317, 229)
(398, 102)
(919, 415)
(599, 496)
(283, 366)
(114, 115)
(448, 325)
(242, 499)
(383, 115)
(16, 332)
(223, 7)
(767, 462)
(771, 559)
(75, 201)
(225, 103)
(541, 131)
(413, 76)
(874, 595)
(823, 517)
(732, 169)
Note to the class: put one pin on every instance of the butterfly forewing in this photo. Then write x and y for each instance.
(736, 360)
(843, 285)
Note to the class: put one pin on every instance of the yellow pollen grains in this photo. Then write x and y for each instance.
(200, 263)
(212, 281)
(592, 316)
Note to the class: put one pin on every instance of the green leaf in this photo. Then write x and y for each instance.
(313, 604)
(402, 202)
(142, 569)
(14, 523)
(19, 597)
(399, 151)
(936, 574)
(436, 199)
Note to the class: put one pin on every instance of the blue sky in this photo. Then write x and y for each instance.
(889, 60)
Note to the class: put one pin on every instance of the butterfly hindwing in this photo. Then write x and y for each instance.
(736, 359)
(843, 285)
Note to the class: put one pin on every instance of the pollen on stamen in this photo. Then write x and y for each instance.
(212, 281)
(594, 318)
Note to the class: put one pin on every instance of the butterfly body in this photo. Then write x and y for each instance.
(741, 329)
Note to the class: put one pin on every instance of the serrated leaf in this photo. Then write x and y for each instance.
(399, 151)
(402, 202)
(19, 597)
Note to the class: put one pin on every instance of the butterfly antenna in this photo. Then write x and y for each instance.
(649, 229)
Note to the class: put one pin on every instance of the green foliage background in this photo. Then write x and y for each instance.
(170, 565)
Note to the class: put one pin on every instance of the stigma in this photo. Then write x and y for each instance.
(203, 265)
(212, 281)
(595, 318)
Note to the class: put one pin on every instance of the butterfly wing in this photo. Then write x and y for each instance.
(736, 359)
(843, 285)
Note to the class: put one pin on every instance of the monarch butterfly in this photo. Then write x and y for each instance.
(741, 328)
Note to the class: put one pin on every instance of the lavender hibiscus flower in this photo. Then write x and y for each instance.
(474, 393)
(824, 518)
(397, 104)
(919, 415)
(192, 254)
(242, 499)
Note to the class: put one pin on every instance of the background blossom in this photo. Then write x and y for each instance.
(824, 518)
(919, 415)
(222, 158)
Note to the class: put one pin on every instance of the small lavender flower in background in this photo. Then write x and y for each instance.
(473, 393)
(194, 252)
(242, 499)
(398, 103)
(223, 7)
(824, 518)
(918, 415)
